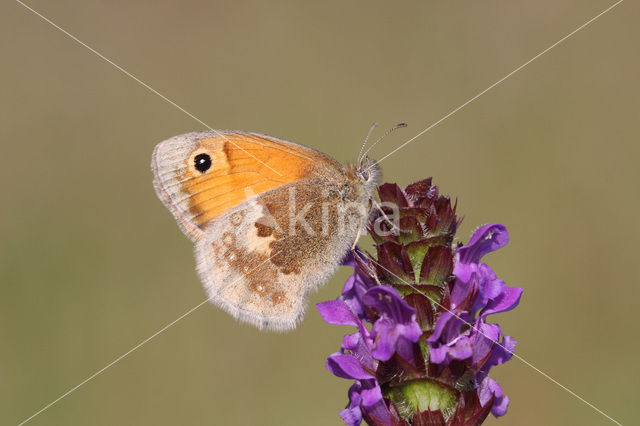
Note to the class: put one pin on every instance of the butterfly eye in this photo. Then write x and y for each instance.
(202, 162)
(365, 174)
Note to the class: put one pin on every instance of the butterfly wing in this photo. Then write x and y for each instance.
(201, 175)
(259, 266)
(234, 194)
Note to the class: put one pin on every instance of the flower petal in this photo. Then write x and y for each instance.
(485, 239)
(447, 328)
(357, 284)
(461, 348)
(508, 299)
(446, 342)
(502, 352)
(371, 396)
(397, 320)
(352, 414)
(404, 348)
(384, 339)
(386, 300)
(359, 346)
(337, 312)
(488, 389)
(485, 337)
(373, 404)
(347, 367)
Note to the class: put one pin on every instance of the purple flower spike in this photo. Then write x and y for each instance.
(427, 302)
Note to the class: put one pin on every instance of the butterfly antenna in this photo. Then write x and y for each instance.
(396, 127)
(373, 126)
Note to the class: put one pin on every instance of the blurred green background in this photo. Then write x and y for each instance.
(91, 263)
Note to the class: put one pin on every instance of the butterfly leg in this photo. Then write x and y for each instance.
(356, 240)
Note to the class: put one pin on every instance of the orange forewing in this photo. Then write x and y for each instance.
(243, 165)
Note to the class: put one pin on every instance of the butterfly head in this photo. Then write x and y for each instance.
(369, 174)
(363, 176)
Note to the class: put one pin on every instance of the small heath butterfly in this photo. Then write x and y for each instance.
(270, 219)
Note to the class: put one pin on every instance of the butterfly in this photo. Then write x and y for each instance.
(270, 219)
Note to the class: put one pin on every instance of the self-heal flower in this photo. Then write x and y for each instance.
(472, 276)
(396, 328)
(423, 349)
(358, 344)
